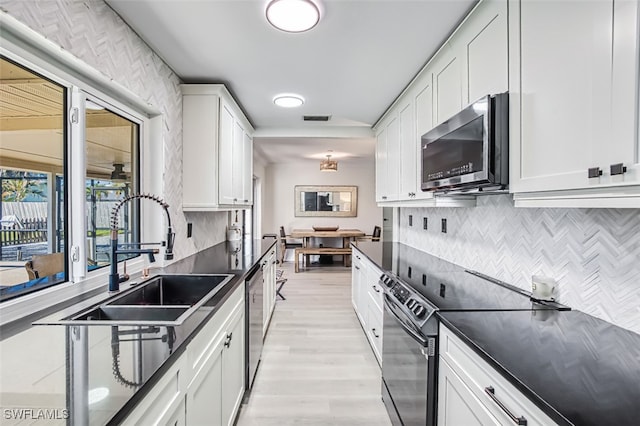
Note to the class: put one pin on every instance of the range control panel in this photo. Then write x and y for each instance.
(413, 304)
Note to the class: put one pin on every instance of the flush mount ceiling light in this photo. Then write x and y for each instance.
(329, 165)
(288, 100)
(293, 16)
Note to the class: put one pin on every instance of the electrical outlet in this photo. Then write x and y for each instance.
(410, 220)
(444, 225)
(425, 223)
(189, 229)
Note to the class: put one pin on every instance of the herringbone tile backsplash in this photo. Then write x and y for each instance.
(593, 253)
(94, 33)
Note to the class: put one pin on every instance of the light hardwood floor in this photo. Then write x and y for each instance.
(317, 367)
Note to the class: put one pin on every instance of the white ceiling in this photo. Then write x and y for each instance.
(351, 66)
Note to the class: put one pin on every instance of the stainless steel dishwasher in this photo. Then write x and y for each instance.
(254, 295)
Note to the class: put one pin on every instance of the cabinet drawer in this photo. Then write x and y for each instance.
(488, 386)
(374, 328)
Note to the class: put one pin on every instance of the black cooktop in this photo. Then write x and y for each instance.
(452, 288)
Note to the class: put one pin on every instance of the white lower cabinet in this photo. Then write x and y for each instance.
(205, 385)
(164, 404)
(204, 394)
(471, 392)
(457, 405)
(367, 296)
(269, 288)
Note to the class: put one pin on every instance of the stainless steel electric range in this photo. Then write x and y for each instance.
(416, 288)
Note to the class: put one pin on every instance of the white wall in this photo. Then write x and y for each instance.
(281, 180)
(95, 34)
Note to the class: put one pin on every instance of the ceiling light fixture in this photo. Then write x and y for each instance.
(329, 165)
(288, 100)
(293, 16)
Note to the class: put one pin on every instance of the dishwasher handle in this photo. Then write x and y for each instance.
(414, 335)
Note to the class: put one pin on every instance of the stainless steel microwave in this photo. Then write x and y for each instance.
(470, 151)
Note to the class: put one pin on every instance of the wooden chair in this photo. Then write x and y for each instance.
(286, 245)
(44, 265)
(375, 235)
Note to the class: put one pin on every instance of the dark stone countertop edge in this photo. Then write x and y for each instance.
(531, 395)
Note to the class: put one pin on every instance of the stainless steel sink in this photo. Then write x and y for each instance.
(169, 290)
(167, 299)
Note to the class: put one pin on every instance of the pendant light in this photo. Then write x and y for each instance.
(328, 165)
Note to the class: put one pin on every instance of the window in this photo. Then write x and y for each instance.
(41, 187)
(111, 166)
(32, 172)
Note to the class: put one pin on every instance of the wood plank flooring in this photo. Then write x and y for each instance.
(317, 367)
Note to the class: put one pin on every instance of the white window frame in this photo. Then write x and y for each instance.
(34, 52)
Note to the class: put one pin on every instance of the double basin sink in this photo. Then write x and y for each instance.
(161, 300)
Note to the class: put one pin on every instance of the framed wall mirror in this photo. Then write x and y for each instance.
(326, 200)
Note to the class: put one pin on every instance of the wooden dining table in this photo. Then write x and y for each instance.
(347, 235)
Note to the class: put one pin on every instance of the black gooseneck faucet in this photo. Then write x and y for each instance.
(114, 278)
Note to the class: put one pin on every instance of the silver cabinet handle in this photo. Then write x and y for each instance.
(373, 330)
(520, 421)
(376, 289)
(357, 267)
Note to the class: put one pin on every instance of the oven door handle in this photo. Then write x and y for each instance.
(421, 340)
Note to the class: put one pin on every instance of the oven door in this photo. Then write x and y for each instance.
(408, 371)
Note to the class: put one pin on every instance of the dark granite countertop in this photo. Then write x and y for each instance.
(124, 362)
(578, 369)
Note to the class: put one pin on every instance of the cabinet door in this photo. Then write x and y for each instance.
(424, 123)
(233, 368)
(457, 405)
(447, 82)
(374, 327)
(483, 39)
(393, 159)
(204, 393)
(574, 113)
(408, 142)
(625, 92)
(237, 164)
(247, 174)
(357, 285)
(226, 164)
(381, 165)
(178, 417)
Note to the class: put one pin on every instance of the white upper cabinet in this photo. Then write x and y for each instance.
(447, 82)
(574, 104)
(408, 175)
(217, 146)
(388, 160)
(471, 64)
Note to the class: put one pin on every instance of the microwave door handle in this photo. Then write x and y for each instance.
(415, 336)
